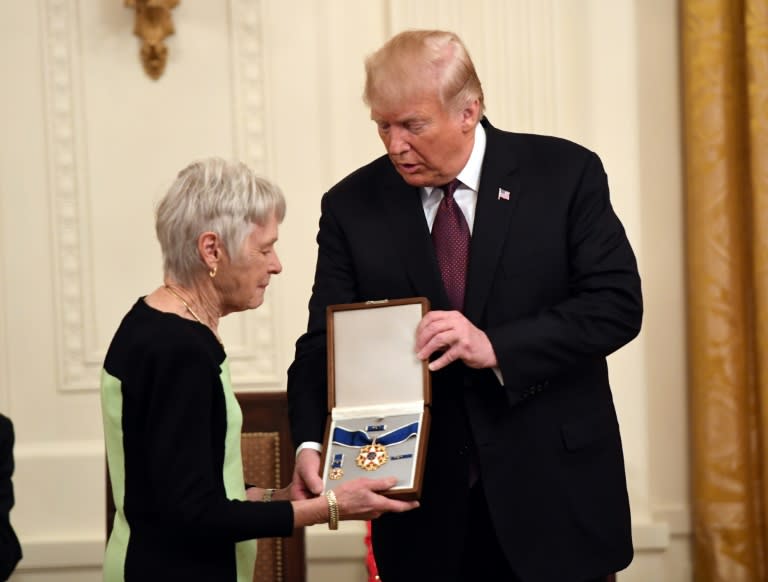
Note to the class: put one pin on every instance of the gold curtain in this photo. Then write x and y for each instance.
(725, 97)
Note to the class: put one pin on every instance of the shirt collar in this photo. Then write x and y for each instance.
(470, 175)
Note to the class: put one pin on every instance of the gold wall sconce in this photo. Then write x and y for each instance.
(153, 23)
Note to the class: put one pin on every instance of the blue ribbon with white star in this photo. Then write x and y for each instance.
(359, 438)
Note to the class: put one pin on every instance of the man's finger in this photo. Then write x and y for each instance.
(313, 482)
(442, 361)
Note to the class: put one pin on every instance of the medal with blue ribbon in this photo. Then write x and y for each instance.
(336, 471)
(373, 451)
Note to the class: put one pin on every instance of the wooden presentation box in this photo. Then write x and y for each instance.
(378, 395)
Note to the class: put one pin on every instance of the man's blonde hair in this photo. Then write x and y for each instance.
(415, 63)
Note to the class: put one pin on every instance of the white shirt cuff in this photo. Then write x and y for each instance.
(309, 445)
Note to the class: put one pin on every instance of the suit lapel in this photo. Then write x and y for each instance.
(401, 207)
(497, 201)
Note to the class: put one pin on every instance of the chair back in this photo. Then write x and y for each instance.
(268, 459)
(261, 465)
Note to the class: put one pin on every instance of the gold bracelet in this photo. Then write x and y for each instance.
(267, 495)
(333, 510)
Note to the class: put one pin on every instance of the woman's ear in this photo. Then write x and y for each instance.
(209, 247)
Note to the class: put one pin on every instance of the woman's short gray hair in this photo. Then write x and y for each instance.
(212, 195)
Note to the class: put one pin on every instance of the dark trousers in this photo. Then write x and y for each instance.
(483, 559)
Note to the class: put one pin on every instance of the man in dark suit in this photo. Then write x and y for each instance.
(524, 475)
(10, 550)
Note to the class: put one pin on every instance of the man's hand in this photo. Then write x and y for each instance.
(306, 475)
(454, 334)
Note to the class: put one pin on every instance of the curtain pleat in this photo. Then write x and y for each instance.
(725, 98)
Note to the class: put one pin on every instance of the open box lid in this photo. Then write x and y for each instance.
(371, 356)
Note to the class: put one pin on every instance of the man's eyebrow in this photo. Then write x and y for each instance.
(411, 118)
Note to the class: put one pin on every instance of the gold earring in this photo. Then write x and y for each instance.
(212, 272)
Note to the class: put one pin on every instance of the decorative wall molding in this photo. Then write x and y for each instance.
(650, 537)
(677, 516)
(250, 340)
(255, 362)
(346, 544)
(77, 363)
(55, 553)
(248, 82)
(49, 451)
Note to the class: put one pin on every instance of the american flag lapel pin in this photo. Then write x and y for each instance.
(503, 194)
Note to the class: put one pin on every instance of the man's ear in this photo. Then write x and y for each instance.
(470, 115)
(209, 247)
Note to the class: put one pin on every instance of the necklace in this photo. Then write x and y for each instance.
(190, 310)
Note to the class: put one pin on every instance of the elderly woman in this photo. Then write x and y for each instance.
(171, 420)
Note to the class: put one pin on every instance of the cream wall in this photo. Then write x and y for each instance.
(89, 143)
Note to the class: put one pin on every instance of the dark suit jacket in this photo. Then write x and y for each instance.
(554, 284)
(10, 551)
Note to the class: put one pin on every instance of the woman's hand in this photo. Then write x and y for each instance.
(254, 493)
(357, 499)
(362, 499)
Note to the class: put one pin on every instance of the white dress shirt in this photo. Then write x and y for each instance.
(466, 193)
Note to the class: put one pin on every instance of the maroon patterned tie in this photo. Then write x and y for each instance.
(450, 235)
